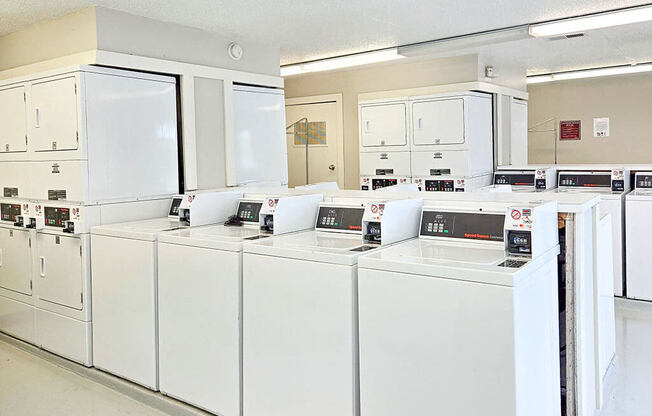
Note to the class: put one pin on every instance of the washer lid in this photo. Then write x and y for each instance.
(147, 230)
(317, 246)
(218, 237)
(460, 261)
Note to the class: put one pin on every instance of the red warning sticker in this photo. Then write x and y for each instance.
(516, 214)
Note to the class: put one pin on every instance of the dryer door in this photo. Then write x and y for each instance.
(15, 264)
(60, 270)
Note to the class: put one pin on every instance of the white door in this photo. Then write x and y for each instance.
(53, 124)
(383, 125)
(59, 268)
(438, 122)
(15, 262)
(13, 120)
(316, 123)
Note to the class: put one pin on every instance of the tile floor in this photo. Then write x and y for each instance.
(32, 386)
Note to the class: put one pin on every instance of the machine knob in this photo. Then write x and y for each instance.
(331, 167)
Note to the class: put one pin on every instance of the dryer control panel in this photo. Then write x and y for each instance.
(10, 211)
(617, 179)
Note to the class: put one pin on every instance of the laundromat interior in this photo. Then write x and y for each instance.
(309, 208)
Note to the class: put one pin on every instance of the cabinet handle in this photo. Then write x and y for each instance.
(37, 117)
(367, 126)
(419, 123)
(42, 266)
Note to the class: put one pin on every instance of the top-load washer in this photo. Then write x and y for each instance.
(463, 320)
(299, 308)
(124, 278)
(612, 186)
(199, 299)
(638, 236)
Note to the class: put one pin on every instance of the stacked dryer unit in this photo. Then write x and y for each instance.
(80, 147)
(384, 143)
(452, 141)
(440, 142)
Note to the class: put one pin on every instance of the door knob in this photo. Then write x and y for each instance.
(331, 167)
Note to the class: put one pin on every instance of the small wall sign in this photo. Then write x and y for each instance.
(570, 130)
(601, 127)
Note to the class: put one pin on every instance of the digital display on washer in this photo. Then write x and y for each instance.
(465, 225)
(588, 181)
(516, 179)
(249, 211)
(9, 212)
(174, 207)
(340, 218)
(56, 217)
(643, 181)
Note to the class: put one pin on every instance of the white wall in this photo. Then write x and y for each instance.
(123, 32)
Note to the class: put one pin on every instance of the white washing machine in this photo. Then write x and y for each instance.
(639, 226)
(199, 301)
(612, 186)
(299, 309)
(463, 320)
(124, 274)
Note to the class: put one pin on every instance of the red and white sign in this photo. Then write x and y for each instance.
(374, 208)
(516, 214)
(570, 130)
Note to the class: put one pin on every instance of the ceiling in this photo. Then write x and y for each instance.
(312, 29)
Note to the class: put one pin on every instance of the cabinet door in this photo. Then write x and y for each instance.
(13, 120)
(15, 262)
(53, 123)
(438, 122)
(383, 125)
(59, 268)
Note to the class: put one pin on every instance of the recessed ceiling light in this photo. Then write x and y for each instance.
(590, 22)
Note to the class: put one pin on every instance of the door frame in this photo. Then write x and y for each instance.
(328, 98)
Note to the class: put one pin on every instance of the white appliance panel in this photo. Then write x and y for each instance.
(199, 326)
(639, 261)
(383, 125)
(13, 120)
(124, 308)
(59, 270)
(54, 118)
(438, 122)
(15, 261)
(259, 136)
(299, 350)
(17, 319)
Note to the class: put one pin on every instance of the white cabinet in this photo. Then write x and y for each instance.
(60, 270)
(53, 125)
(15, 261)
(383, 125)
(438, 122)
(13, 120)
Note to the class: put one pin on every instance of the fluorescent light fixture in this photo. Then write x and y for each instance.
(590, 22)
(458, 43)
(590, 73)
(342, 62)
